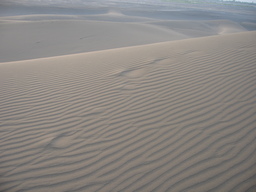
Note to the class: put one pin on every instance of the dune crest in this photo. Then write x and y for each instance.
(46, 35)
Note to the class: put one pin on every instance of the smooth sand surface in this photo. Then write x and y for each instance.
(171, 116)
(36, 36)
(37, 39)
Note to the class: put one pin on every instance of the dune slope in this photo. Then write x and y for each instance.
(173, 116)
(38, 36)
(23, 40)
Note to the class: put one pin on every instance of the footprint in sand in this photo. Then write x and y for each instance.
(133, 73)
(128, 89)
(57, 142)
(141, 71)
(63, 141)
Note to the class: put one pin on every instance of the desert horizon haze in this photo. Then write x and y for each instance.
(111, 96)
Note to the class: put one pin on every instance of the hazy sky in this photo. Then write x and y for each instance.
(96, 2)
(254, 1)
(249, 1)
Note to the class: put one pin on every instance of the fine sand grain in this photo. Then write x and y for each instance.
(172, 116)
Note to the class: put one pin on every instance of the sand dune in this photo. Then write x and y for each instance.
(37, 39)
(202, 28)
(111, 15)
(37, 36)
(172, 116)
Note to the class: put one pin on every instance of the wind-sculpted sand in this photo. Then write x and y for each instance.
(173, 116)
(38, 36)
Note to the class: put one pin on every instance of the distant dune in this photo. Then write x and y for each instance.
(36, 39)
(37, 36)
(171, 116)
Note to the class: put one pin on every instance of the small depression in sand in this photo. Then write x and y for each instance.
(134, 73)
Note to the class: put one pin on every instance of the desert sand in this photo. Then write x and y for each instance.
(171, 108)
(38, 36)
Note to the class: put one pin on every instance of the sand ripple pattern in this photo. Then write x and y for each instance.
(175, 116)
